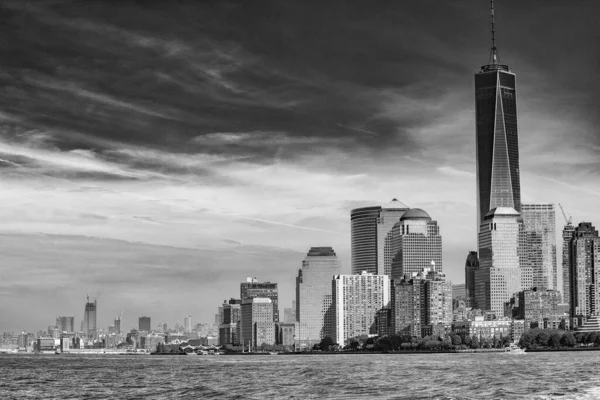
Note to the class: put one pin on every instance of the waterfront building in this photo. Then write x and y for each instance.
(66, 323)
(256, 319)
(228, 329)
(187, 324)
(471, 265)
(484, 329)
(89, 326)
(416, 243)
(384, 321)
(356, 299)
(499, 274)
(539, 223)
(370, 237)
(253, 288)
(314, 295)
(287, 334)
(585, 271)
(497, 146)
(567, 235)
(535, 306)
(144, 324)
(422, 302)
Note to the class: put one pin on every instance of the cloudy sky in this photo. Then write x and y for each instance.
(157, 153)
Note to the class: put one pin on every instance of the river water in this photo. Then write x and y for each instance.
(565, 375)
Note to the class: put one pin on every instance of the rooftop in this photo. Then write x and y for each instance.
(415, 213)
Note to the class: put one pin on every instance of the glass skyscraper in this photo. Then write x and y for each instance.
(89, 318)
(497, 144)
(539, 224)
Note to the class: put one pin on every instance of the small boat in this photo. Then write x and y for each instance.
(514, 349)
(273, 353)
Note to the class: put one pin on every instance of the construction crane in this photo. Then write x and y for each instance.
(567, 220)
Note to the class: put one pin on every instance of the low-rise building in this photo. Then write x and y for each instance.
(483, 329)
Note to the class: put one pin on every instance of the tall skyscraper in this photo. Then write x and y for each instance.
(567, 235)
(498, 182)
(228, 329)
(144, 324)
(253, 288)
(187, 324)
(416, 243)
(89, 318)
(370, 237)
(357, 299)
(585, 271)
(539, 224)
(471, 265)
(499, 273)
(257, 322)
(314, 295)
(66, 323)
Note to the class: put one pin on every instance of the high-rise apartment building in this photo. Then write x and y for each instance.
(314, 308)
(499, 273)
(370, 237)
(416, 243)
(253, 288)
(66, 323)
(257, 326)
(144, 324)
(585, 271)
(498, 182)
(536, 305)
(567, 235)
(187, 324)
(423, 299)
(89, 318)
(539, 224)
(356, 299)
(471, 265)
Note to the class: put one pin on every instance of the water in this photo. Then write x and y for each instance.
(565, 375)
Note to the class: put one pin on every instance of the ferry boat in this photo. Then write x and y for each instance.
(514, 349)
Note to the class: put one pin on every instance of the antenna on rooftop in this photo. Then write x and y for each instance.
(494, 58)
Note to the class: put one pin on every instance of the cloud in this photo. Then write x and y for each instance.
(447, 170)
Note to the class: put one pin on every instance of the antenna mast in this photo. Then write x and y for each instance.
(494, 59)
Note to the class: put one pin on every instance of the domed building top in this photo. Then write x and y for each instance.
(415, 213)
(395, 203)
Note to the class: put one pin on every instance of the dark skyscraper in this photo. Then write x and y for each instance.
(497, 143)
(89, 318)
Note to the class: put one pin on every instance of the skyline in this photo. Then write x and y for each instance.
(180, 154)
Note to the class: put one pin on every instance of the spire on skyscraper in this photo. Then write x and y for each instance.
(494, 57)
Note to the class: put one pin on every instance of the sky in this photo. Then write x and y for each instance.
(155, 154)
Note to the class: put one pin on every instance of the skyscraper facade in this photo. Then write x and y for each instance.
(567, 235)
(89, 318)
(66, 323)
(499, 273)
(471, 265)
(539, 225)
(498, 182)
(253, 288)
(370, 240)
(417, 244)
(314, 295)
(187, 324)
(257, 326)
(144, 324)
(357, 299)
(585, 271)
(228, 328)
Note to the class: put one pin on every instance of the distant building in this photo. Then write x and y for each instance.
(228, 330)
(483, 329)
(567, 235)
(89, 318)
(540, 226)
(289, 314)
(384, 321)
(144, 324)
(499, 273)
(66, 323)
(370, 237)
(584, 268)
(257, 326)
(253, 288)
(534, 306)
(315, 311)
(471, 265)
(357, 298)
(187, 324)
(459, 291)
(416, 243)
(117, 325)
(287, 333)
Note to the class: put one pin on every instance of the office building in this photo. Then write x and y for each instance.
(567, 235)
(228, 329)
(370, 237)
(253, 288)
(497, 145)
(585, 271)
(117, 324)
(499, 274)
(356, 299)
(416, 243)
(471, 265)
(257, 326)
(89, 318)
(536, 305)
(144, 324)
(488, 329)
(66, 323)
(314, 295)
(287, 334)
(539, 224)
(459, 291)
(289, 314)
(187, 324)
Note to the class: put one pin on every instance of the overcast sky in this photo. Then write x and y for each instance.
(158, 153)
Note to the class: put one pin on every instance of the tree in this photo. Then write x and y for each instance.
(527, 340)
(554, 340)
(579, 337)
(456, 340)
(354, 345)
(466, 339)
(597, 341)
(542, 338)
(592, 338)
(505, 341)
(474, 342)
(568, 340)
(326, 343)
